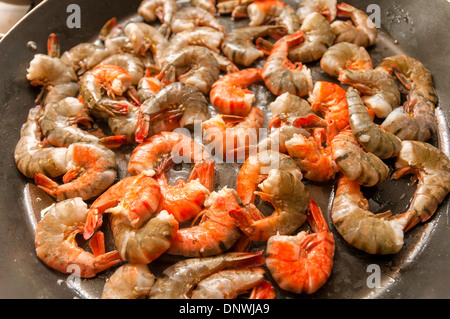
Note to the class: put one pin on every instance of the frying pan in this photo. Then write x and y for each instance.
(419, 270)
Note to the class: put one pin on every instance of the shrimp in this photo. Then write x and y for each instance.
(175, 105)
(345, 56)
(318, 37)
(178, 280)
(114, 38)
(90, 170)
(124, 126)
(59, 125)
(132, 64)
(328, 99)
(415, 72)
(130, 281)
(31, 154)
(144, 37)
(216, 232)
(229, 95)
(364, 168)
(370, 136)
(263, 11)
(147, 87)
(135, 198)
(238, 45)
(189, 18)
(56, 245)
(228, 283)
(227, 134)
(281, 186)
(281, 75)
(432, 167)
(277, 138)
(202, 36)
(194, 65)
(185, 199)
(304, 262)
(314, 161)
(325, 7)
(163, 10)
(208, 5)
(144, 244)
(159, 150)
(362, 32)
(293, 110)
(414, 121)
(379, 90)
(112, 78)
(84, 56)
(46, 70)
(372, 233)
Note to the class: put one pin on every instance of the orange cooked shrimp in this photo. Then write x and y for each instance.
(229, 95)
(302, 263)
(137, 198)
(157, 153)
(216, 232)
(91, 169)
(228, 134)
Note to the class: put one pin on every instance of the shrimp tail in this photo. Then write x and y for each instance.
(93, 221)
(264, 290)
(264, 45)
(315, 217)
(204, 172)
(244, 218)
(113, 142)
(46, 184)
(142, 128)
(105, 261)
(97, 244)
(310, 121)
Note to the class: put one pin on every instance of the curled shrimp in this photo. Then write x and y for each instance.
(327, 8)
(364, 168)
(345, 56)
(228, 283)
(156, 155)
(178, 280)
(281, 186)
(106, 77)
(31, 154)
(144, 37)
(216, 231)
(415, 120)
(59, 124)
(328, 100)
(312, 158)
(281, 75)
(130, 281)
(85, 56)
(432, 167)
(90, 170)
(136, 198)
(189, 18)
(175, 105)
(304, 262)
(415, 72)
(208, 5)
(264, 11)
(379, 91)
(372, 233)
(226, 134)
(144, 244)
(361, 32)
(163, 10)
(132, 64)
(229, 94)
(318, 37)
(56, 245)
(369, 135)
(194, 65)
(239, 46)
(46, 70)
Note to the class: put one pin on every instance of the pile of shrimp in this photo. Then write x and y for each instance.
(143, 83)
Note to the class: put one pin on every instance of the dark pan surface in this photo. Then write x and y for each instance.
(420, 270)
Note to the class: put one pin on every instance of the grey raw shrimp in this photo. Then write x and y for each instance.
(238, 45)
(84, 56)
(194, 65)
(318, 37)
(281, 75)
(175, 105)
(189, 18)
(371, 137)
